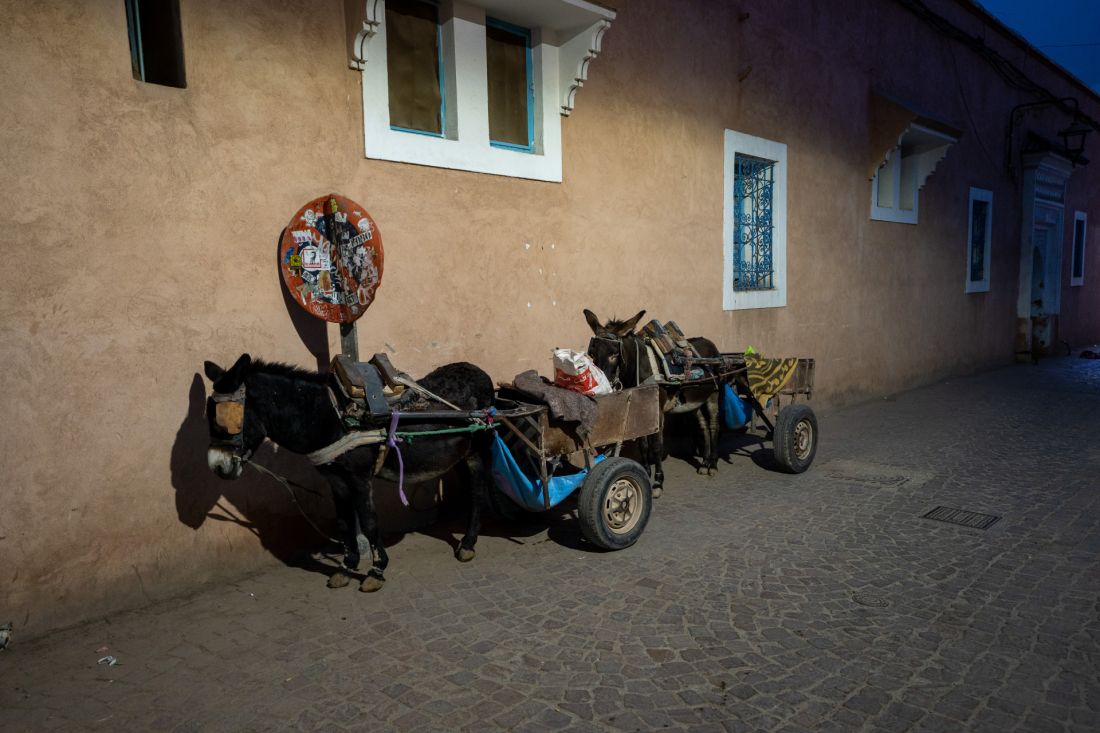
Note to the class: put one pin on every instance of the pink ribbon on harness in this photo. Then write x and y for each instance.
(391, 441)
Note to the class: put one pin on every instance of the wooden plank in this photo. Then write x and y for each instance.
(625, 415)
(519, 434)
(389, 372)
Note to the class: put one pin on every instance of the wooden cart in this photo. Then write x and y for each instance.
(786, 420)
(615, 495)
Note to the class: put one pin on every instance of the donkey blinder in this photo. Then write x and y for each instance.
(229, 411)
(229, 416)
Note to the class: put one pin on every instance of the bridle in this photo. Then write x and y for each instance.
(621, 348)
(229, 417)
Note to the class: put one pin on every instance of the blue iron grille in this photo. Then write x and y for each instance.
(753, 185)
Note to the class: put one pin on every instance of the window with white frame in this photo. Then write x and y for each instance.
(895, 189)
(979, 240)
(1077, 263)
(511, 90)
(754, 222)
(415, 70)
(475, 85)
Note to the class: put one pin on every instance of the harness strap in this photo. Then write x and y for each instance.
(391, 442)
(349, 442)
(657, 365)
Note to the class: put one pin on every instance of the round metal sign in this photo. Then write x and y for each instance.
(331, 258)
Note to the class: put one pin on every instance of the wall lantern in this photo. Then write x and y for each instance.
(1073, 139)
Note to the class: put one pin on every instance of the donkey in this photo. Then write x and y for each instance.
(621, 354)
(292, 408)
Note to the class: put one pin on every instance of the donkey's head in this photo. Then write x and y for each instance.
(606, 345)
(233, 437)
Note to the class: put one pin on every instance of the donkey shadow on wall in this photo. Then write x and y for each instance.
(257, 503)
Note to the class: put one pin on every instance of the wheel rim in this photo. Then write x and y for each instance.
(803, 439)
(622, 506)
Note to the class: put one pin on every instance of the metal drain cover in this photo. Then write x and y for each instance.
(875, 475)
(870, 600)
(974, 520)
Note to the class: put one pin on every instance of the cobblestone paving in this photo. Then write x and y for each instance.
(754, 601)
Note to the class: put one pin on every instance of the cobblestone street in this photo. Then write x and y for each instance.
(754, 601)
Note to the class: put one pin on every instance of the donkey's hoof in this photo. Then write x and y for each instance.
(656, 492)
(465, 555)
(707, 471)
(338, 580)
(371, 584)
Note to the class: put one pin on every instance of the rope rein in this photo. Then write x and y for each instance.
(287, 483)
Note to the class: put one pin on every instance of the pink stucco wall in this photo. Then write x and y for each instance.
(146, 221)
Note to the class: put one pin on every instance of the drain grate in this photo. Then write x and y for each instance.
(974, 520)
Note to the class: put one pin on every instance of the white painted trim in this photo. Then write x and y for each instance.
(560, 61)
(1045, 176)
(893, 213)
(1078, 216)
(979, 194)
(922, 164)
(734, 143)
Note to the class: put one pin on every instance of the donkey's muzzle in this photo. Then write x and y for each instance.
(225, 463)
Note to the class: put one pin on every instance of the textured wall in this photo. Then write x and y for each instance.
(146, 221)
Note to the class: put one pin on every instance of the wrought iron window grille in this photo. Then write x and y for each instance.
(754, 180)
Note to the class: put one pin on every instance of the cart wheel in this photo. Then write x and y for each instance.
(795, 438)
(614, 503)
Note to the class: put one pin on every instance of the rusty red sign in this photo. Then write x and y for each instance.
(331, 258)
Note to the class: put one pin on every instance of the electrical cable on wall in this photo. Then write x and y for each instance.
(1007, 70)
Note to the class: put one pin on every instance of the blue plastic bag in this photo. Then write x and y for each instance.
(734, 411)
(513, 482)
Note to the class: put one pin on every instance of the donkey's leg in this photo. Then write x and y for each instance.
(707, 418)
(656, 444)
(715, 415)
(368, 524)
(343, 501)
(473, 471)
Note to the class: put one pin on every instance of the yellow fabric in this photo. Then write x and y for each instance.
(768, 376)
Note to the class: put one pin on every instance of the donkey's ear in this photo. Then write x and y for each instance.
(593, 322)
(628, 326)
(213, 371)
(236, 372)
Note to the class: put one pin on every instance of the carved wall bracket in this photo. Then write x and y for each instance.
(574, 58)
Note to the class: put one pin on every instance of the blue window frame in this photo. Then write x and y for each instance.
(754, 181)
(505, 104)
(407, 75)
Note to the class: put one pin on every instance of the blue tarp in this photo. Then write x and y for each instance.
(511, 480)
(733, 409)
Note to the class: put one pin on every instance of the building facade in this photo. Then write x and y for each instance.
(879, 184)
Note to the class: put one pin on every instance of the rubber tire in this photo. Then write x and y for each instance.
(783, 441)
(593, 492)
